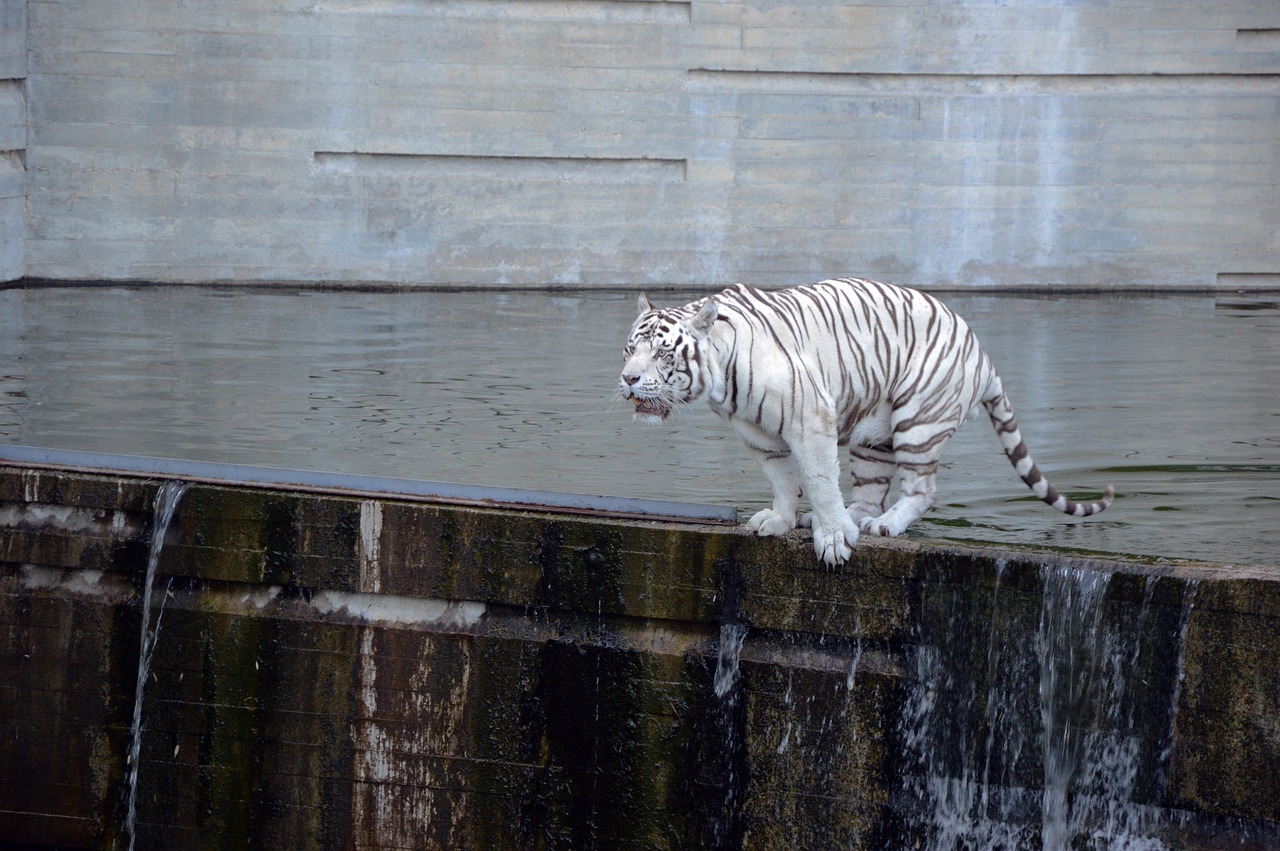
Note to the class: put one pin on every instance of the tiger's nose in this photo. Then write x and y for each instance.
(630, 378)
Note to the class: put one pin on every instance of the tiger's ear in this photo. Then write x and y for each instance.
(701, 324)
(644, 304)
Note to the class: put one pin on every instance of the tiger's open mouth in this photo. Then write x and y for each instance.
(653, 410)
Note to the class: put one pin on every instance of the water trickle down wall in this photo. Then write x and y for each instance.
(167, 497)
(347, 671)
(1045, 715)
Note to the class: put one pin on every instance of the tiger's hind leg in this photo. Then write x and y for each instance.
(873, 469)
(916, 452)
(918, 492)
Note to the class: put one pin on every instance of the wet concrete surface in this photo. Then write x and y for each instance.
(335, 671)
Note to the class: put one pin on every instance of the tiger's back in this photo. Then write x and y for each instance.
(873, 348)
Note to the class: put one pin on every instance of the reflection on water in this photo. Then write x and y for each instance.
(1174, 400)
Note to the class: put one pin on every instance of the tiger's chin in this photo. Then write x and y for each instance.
(651, 411)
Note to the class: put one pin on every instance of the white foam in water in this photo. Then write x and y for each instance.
(731, 637)
(166, 503)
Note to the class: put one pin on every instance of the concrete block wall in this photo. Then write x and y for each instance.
(13, 136)
(613, 142)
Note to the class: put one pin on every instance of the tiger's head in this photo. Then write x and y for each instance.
(663, 363)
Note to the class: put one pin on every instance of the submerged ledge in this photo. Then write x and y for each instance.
(371, 669)
(317, 481)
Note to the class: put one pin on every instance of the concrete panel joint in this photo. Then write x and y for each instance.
(522, 168)
(613, 11)
(1261, 39)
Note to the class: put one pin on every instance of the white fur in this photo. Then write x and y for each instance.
(889, 371)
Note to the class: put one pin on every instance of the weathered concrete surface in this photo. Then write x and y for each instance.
(338, 671)
(597, 142)
(13, 138)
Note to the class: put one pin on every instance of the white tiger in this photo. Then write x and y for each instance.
(891, 372)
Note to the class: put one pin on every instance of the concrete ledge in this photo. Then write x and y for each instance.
(372, 671)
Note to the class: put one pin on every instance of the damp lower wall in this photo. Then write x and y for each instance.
(367, 671)
(641, 142)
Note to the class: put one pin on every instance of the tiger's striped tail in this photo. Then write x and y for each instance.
(1006, 426)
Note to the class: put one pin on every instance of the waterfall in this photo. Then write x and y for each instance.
(731, 637)
(1081, 690)
(724, 758)
(166, 503)
(857, 654)
(1041, 720)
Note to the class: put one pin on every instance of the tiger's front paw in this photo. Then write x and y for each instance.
(834, 546)
(768, 523)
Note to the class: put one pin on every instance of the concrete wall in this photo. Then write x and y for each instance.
(655, 141)
(13, 137)
(346, 671)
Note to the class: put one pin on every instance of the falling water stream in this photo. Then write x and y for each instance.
(1086, 724)
(1056, 743)
(166, 503)
(724, 825)
(731, 637)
